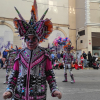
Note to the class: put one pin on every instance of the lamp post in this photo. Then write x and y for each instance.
(77, 37)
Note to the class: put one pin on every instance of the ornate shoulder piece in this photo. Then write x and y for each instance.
(48, 53)
(18, 55)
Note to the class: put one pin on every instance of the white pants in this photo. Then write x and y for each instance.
(68, 66)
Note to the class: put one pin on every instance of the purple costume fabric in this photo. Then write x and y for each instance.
(68, 58)
(10, 58)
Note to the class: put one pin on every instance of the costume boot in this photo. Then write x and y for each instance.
(6, 79)
(65, 75)
(72, 78)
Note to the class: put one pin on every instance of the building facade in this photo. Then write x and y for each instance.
(88, 25)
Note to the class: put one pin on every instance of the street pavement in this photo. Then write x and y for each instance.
(86, 86)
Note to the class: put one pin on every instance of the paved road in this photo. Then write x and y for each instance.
(87, 86)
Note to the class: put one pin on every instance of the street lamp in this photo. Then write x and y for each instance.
(77, 37)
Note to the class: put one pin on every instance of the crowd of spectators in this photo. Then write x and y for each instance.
(79, 61)
(57, 60)
(87, 60)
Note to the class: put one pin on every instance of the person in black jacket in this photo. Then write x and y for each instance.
(90, 59)
(85, 59)
(62, 54)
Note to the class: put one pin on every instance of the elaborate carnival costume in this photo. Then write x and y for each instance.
(32, 67)
(68, 58)
(9, 63)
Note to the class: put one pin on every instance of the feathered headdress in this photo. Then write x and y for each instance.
(41, 29)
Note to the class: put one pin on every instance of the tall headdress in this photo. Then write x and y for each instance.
(41, 29)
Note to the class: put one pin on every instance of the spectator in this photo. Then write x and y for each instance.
(90, 59)
(61, 59)
(74, 55)
(76, 65)
(82, 59)
(52, 56)
(62, 54)
(80, 66)
(95, 65)
(55, 58)
(99, 65)
(1, 62)
(56, 64)
(58, 56)
(85, 59)
(5, 54)
(78, 57)
(61, 65)
(95, 57)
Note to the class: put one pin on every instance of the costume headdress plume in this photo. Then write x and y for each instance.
(41, 29)
(20, 16)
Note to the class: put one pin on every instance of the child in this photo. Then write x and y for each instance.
(76, 65)
(80, 66)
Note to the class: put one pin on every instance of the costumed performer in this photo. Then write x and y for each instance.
(9, 63)
(33, 65)
(68, 59)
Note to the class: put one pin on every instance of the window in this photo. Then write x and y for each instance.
(81, 33)
(81, 41)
